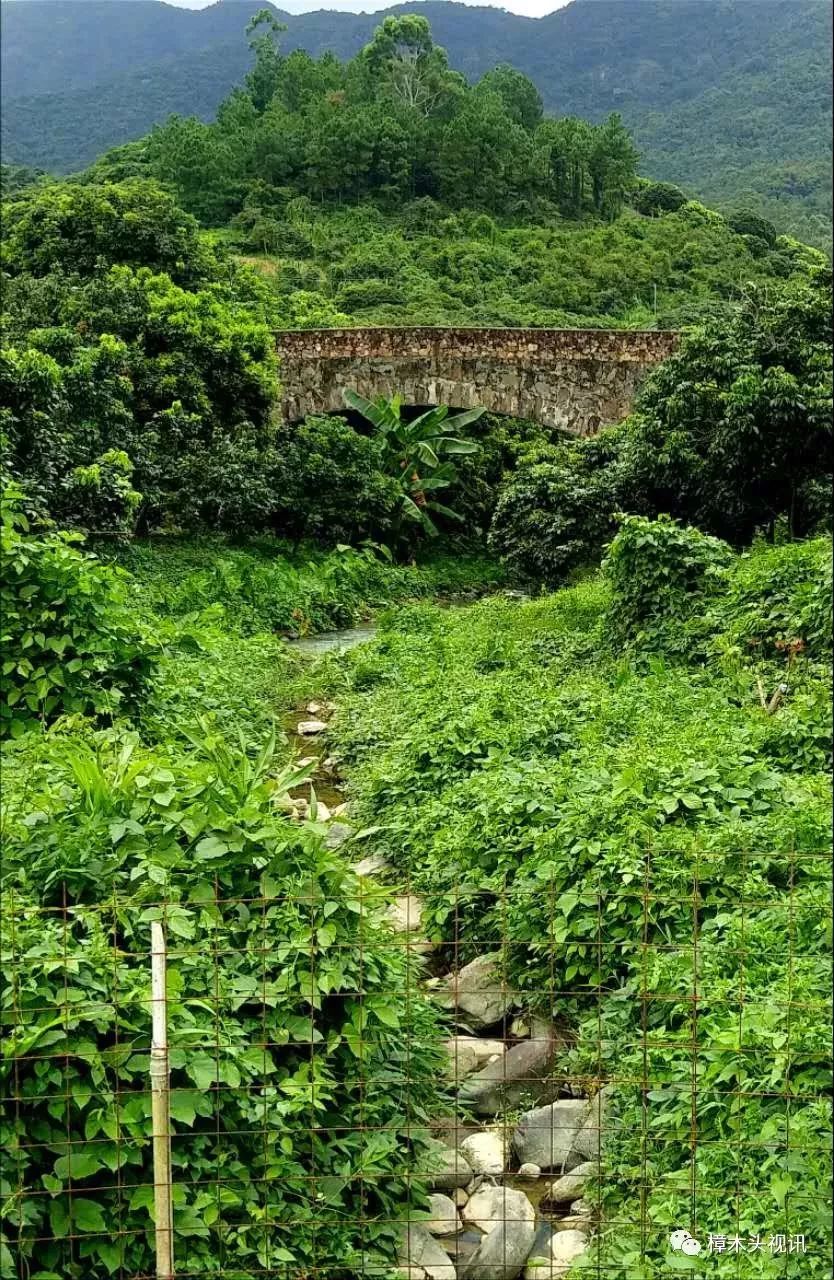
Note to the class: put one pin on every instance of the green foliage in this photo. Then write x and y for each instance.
(100, 497)
(735, 429)
(123, 824)
(73, 228)
(269, 586)
(779, 595)
(210, 668)
(263, 30)
(654, 198)
(518, 93)
(403, 62)
(329, 484)
(731, 434)
(580, 809)
(392, 124)
(69, 643)
(747, 223)
(727, 99)
(416, 455)
(17, 177)
(658, 572)
(525, 268)
(502, 441)
(128, 335)
(557, 507)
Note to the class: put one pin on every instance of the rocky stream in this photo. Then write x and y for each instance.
(512, 1163)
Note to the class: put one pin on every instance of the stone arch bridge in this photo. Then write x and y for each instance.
(576, 380)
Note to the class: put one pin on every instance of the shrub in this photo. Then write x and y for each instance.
(73, 227)
(556, 510)
(310, 309)
(698, 213)
(360, 295)
(747, 223)
(502, 441)
(328, 483)
(421, 215)
(483, 227)
(654, 198)
(131, 335)
(656, 569)
(778, 596)
(100, 497)
(734, 430)
(295, 1067)
(69, 643)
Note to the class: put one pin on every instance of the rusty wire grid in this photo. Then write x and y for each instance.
(322, 1059)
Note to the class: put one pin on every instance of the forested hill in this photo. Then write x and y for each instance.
(667, 67)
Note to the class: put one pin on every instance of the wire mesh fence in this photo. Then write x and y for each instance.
(515, 1080)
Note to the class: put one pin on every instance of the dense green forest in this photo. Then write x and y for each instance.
(729, 100)
(346, 193)
(585, 741)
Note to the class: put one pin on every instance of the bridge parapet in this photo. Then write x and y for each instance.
(571, 379)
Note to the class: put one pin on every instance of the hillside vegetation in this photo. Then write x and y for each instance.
(728, 99)
(351, 193)
(607, 785)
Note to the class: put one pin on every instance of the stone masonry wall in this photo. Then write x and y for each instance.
(575, 380)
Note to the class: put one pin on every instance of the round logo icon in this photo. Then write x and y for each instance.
(682, 1242)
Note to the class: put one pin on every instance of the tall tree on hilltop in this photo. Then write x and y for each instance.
(483, 156)
(262, 80)
(518, 93)
(403, 57)
(565, 146)
(612, 166)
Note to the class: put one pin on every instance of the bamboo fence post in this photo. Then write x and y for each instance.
(163, 1213)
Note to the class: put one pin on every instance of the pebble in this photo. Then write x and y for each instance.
(371, 865)
(470, 1053)
(573, 1223)
(493, 1205)
(337, 834)
(588, 1142)
(546, 1135)
(420, 1249)
(479, 992)
(308, 728)
(509, 1222)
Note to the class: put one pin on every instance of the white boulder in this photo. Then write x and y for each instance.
(486, 1153)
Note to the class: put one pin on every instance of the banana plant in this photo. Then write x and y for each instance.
(418, 453)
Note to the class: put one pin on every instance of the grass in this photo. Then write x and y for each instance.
(267, 585)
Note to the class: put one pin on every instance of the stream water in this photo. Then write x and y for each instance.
(339, 641)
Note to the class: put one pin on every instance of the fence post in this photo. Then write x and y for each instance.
(163, 1214)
